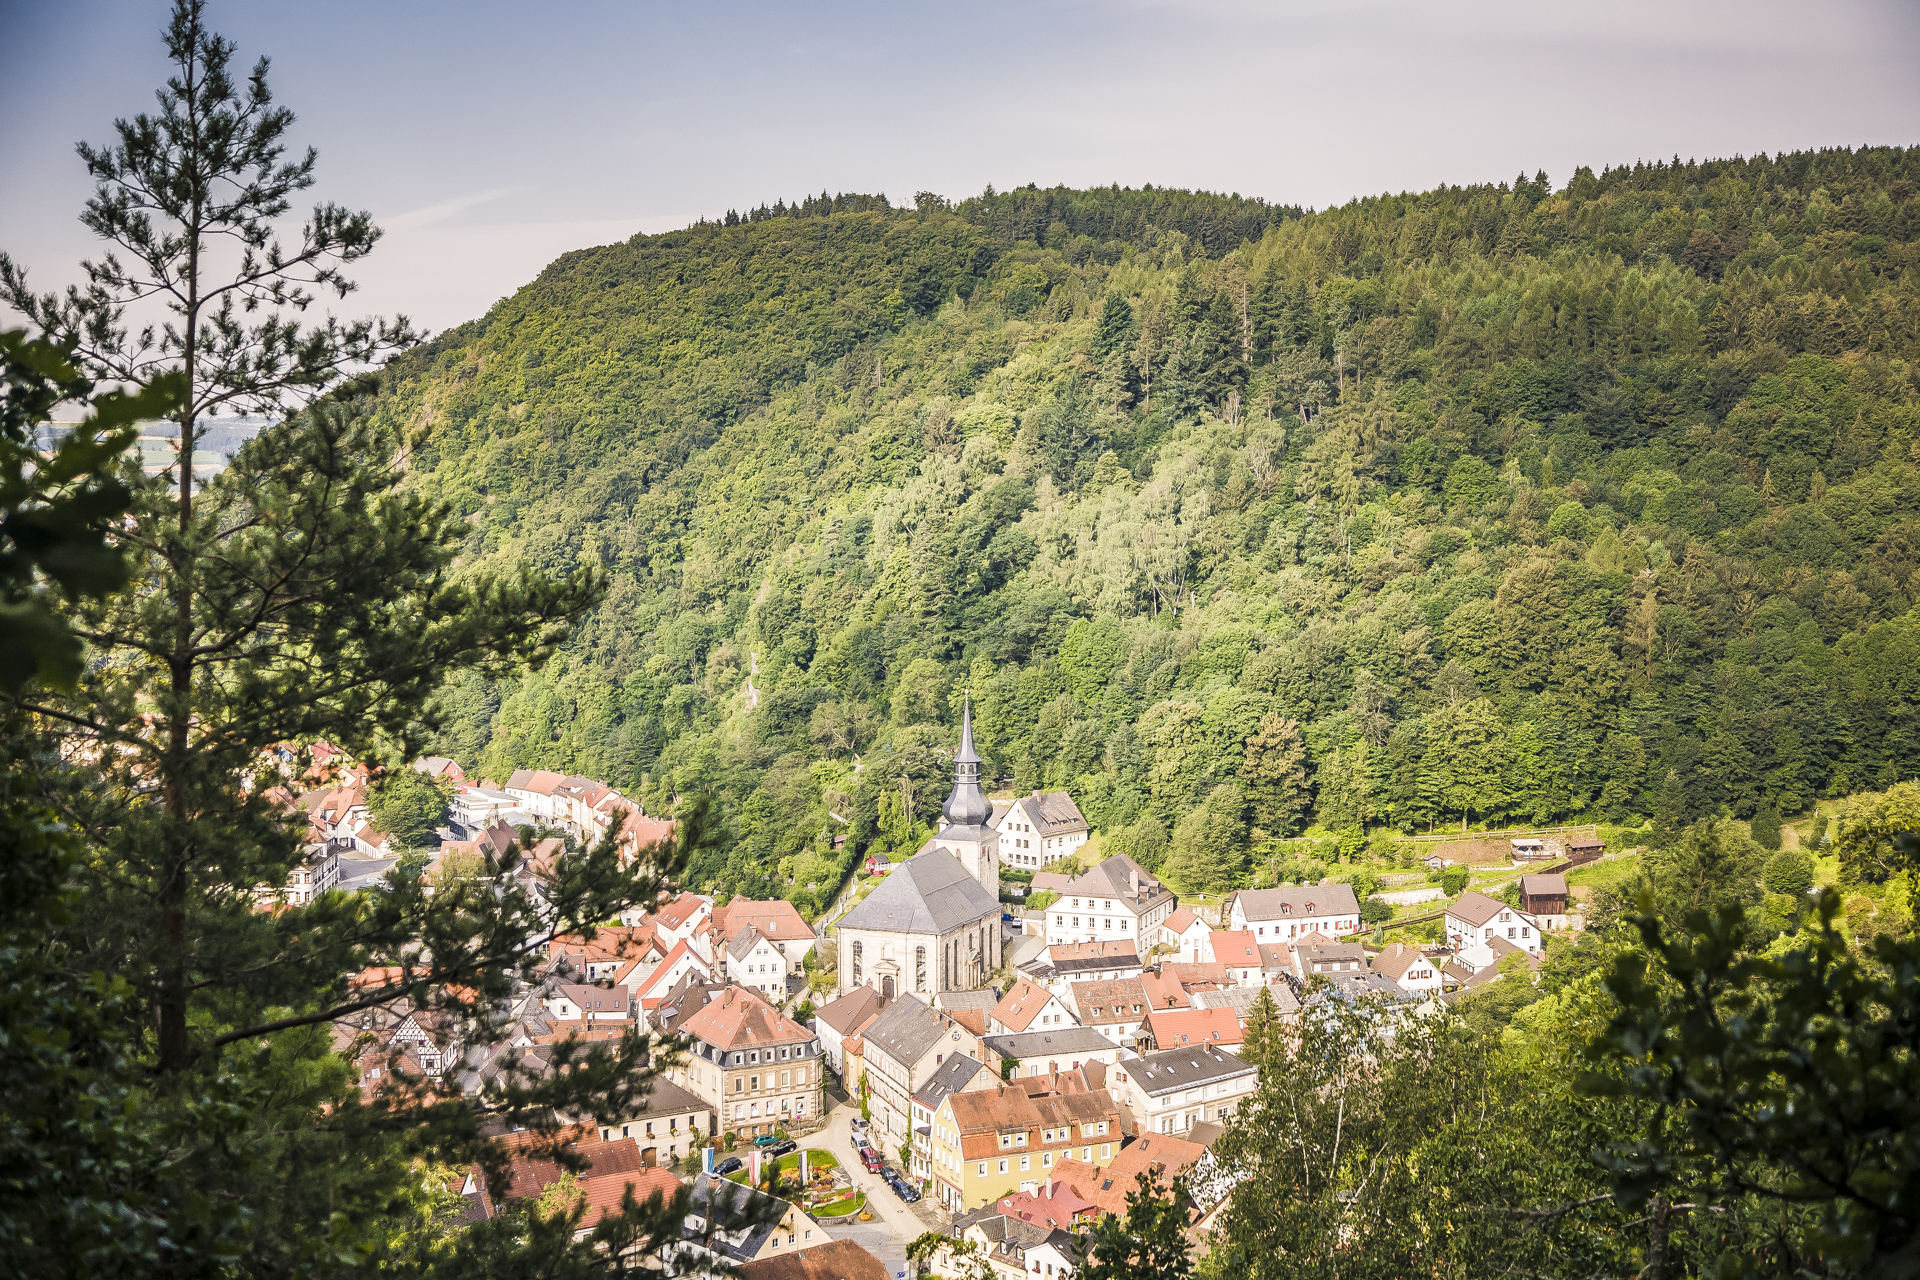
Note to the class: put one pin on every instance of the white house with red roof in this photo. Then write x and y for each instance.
(679, 962)
(676, 921)
(778, 921)
(1287, 912)
(1028, 1006)
(1186, 933)
(1474, 918)
(1238, 952)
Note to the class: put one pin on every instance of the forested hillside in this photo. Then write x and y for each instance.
(1487, 503)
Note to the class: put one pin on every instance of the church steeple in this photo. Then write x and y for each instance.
(967, 805)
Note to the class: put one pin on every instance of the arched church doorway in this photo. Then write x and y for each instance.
(886, 987)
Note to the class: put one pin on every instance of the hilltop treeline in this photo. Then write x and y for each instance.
(1520, 502)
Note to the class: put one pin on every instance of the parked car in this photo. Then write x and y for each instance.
(732, 1164)
(767, 1140)
(903, 1189)
(871, 1158)
(781, 1148)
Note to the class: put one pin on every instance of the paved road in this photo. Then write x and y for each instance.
(895, 1224)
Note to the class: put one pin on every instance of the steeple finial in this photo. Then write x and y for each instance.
(967, 754)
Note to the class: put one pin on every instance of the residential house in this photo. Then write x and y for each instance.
(847, 1016)
(317, 871)
(1289, 911)
(990, 1143)
(1171, 1090)
(670, 1125)
(594, 1005)
(1115, 1009)
(1062, 964)
(475, 807)
(955, 1075)
(1238, 953)
(1054, 1204)
(1014, 1250)
(1027, 1006)
(735, 1225)
(777, 920)
(679, 919)
(678, 963)
(753, 961)
(1544, 897)
(613, 1168)
(903, 1047)
(970, 1009)
(1410, 967)
(620, 954)
(1474, 917)
(1186, 933)
(1037, 1053)
(1115, 900)
(756, 1066)
(1162, 1157)
(1040, 829)
(1313, 956)
(833, 1260)
(532, 790)
(1179, 1028)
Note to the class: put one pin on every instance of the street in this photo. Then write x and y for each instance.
(895, 1224)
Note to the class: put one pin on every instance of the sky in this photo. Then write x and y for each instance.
(487, 138)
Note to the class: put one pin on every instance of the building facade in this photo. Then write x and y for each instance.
(757, 1067)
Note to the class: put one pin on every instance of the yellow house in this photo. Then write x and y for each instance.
(994, 1142)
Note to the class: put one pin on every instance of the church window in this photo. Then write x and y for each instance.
(856, 962)
(920, 968)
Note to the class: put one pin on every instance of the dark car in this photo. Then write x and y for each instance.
(732, 1164)
(902, 1189)
(781, 1148)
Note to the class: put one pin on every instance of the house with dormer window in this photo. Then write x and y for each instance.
(1280, 915)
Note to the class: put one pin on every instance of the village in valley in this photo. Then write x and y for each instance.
(992, 1042)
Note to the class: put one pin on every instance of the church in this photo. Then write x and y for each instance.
(933, 925)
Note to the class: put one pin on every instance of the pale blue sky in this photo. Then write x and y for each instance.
(489, 137)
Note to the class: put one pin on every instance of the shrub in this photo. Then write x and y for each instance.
(1453, 880)
(1766, 826)
(1789, 871)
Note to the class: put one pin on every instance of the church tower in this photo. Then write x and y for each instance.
(966, 820)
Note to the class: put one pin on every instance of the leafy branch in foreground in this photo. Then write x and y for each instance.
(1799, 1072)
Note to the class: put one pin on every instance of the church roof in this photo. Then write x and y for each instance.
(967, 806)
(928, 893)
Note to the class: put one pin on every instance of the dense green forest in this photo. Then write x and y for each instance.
(1498, 503)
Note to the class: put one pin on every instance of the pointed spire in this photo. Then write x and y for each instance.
(967, 754)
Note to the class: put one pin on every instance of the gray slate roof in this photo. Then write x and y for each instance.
(929, 893)
(954, 1075)
(1043, 1044)
(1172, 1069)
(907, 1030)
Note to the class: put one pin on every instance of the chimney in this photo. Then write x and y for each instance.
(1133, 881)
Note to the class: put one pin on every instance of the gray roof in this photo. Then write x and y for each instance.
(1042, 1044)
(985, 999)
(954, 1075)
(1356, 986)
(743, 943)
(1543, 884)
(738, 1218)
(928, 893)
(1299, 900)
(665, 1098)
(1172, 1069)
(1115, 878)
(907, 1030)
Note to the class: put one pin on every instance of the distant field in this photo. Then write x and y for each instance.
(1598, 875)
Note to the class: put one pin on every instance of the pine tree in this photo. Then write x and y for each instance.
(1150, 1243)
(301, 594)
(1115, 327)
(1274, 772)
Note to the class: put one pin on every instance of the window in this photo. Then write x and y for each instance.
(983, 1169)
(1046, 1159)
(1003, 1166)
(1026, 1163)
(856, 962)
(919, 968)
(739, 1083)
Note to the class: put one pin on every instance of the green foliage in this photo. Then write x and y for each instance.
(1150, 1242)
(1789, 1078)
(1454, 879)
(56, 506)
(1789, 871)
(408, 805)
(1867, 838)
(1765, 825)
(1519, 505)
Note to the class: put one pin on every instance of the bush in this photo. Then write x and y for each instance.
(1789, 871)
(1453, 880)
(1373, 911)
(1766, 826)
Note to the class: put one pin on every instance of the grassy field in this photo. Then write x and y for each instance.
(841, 1208)
(816, 1159)
(1597, 875)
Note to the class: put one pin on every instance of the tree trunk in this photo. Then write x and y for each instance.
(1657, 1241)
